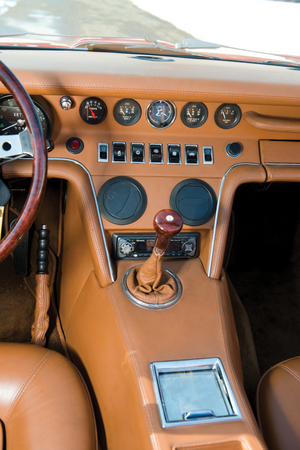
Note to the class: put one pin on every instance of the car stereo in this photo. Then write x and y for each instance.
(140, 245)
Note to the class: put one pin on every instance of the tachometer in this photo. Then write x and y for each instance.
(12, 120)
(161, 113)
(93, 110)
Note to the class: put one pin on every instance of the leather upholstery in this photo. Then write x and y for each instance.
(44, 404)
(150, 283)
(278, 405)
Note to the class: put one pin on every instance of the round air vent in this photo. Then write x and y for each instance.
(194, 200)
(122, 200)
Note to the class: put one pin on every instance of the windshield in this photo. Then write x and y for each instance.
(232, 25)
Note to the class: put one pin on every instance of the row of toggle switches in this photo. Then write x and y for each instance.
(156, 153)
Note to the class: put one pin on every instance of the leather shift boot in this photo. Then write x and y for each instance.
(151, 283)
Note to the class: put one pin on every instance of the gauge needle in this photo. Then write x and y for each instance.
(223, 114)
(19, 122)
(93, 114)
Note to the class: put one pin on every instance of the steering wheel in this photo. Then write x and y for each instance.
(39, 171)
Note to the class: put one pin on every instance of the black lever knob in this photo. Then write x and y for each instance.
(43, 251)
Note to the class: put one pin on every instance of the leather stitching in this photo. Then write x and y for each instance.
(90, 403)
(27, 382)
(94, 234)
(228, 357)
(290, 371)
(155, 90)
(197, 445)
(134, 369)
(223, 221)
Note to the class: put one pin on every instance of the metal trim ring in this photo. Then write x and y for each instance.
(175, 299)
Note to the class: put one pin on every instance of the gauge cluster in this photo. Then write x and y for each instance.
(12, 120)
(160, 114)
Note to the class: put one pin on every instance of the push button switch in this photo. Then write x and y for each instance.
(191, 154)
(119, 151)
(174, 156)
(102, 152)
(208, 157)
(156, 153)
(137, 153)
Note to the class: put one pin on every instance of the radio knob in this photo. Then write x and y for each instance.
(189, 247)
(125, 248)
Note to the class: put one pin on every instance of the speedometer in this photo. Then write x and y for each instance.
(12, 120)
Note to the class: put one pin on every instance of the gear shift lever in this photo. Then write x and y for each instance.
(150, 283)
(167, 224)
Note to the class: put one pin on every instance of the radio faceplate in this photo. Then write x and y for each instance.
(140, 245)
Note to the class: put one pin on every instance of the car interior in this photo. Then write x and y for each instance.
(160, 195)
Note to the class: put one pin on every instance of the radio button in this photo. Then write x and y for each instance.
(189, 247)
(125, 248)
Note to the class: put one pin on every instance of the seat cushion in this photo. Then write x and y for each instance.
(44, 403)
(278, 405)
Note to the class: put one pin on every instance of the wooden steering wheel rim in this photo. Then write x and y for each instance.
(39, 171)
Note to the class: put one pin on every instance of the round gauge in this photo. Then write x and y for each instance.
(93, 110)
(227, 116)
(160, 113)
(12, 120)
(127, 112)
(194, 115)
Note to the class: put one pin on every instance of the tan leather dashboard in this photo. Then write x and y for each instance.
(111, 77)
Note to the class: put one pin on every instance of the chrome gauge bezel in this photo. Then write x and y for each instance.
(47, 130)
(238, 115)
(161, 126)
(135, 119)
(203, 118)
(97, 120)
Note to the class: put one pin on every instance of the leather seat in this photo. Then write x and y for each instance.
(44, 403)
(278, 405)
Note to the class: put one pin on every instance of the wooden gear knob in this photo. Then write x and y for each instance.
(167, 224)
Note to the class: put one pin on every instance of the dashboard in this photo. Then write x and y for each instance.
(157, 122)
(133, 136)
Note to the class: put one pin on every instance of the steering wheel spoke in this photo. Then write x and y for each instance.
(15, 145)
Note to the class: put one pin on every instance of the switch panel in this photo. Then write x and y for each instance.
(174, 154)
(208, 156)
(137, 152)
(119, 152)
(102, 152)
(191, 155)
(156, 154)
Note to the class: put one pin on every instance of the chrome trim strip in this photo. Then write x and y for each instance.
(217, 212)
(214, 364)
(111, 271)
(282, 164)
